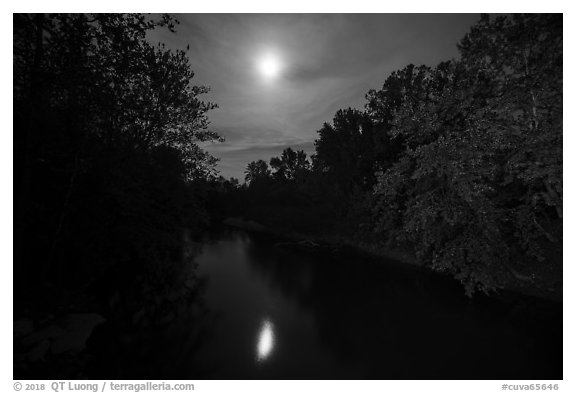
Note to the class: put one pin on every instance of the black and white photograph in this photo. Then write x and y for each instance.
(205, 196)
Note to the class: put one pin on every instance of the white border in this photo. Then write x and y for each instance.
(298, 6)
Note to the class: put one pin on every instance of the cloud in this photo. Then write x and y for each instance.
(330, 62)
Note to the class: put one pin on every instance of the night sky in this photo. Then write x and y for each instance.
(277, 78)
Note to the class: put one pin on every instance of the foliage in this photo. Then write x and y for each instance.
(106, 126)
(291, 166)
(257, 171)
(483, 154)
(104, 78)
(350, 149)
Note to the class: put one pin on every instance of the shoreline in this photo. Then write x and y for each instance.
(331, 241)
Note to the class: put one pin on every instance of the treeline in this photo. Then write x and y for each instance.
(460, 163)
(108, 172)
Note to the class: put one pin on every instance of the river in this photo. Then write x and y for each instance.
(281, 312)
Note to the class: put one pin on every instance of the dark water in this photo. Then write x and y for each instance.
(284, 313)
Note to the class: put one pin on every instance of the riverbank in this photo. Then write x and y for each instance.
(330, 240)
(543, 284)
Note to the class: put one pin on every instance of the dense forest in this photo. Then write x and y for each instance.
(455, 167)
(458, 165)
(110, 184)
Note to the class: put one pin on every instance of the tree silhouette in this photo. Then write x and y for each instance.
(290, 165)
(257, 170)
(106, 129)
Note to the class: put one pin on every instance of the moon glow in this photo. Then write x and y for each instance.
(269, 66)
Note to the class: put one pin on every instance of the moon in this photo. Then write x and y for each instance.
(269, 66)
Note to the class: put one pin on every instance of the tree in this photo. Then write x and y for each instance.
(521, 56)
(257, 171)
(105, 79)
(104, 122)
(483, 158)
(349, 152)
(291, 165)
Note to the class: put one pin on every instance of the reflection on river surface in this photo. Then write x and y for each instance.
(288, 313)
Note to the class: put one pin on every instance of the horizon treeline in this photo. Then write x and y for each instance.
(460, 163)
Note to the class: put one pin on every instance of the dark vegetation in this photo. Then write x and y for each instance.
(110, 186)
(458, 165)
